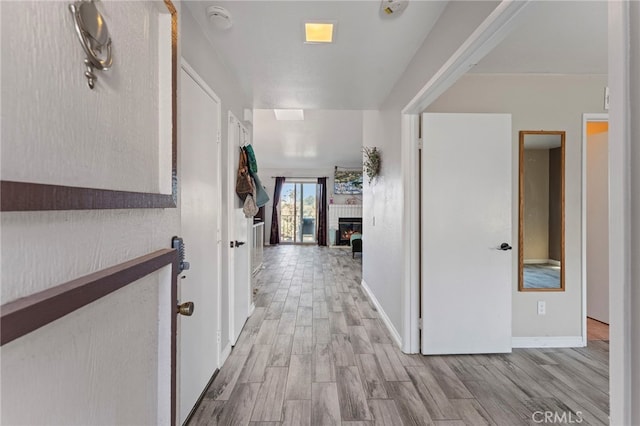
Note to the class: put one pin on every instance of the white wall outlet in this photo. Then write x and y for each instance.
(542, 307)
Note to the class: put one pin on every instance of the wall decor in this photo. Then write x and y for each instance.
(347, 182)
(371, 163)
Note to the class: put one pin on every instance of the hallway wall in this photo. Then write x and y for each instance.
(232, 97)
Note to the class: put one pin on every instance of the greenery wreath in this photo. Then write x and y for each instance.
(371, 163)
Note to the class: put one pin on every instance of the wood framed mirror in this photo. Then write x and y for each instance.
(541, 230)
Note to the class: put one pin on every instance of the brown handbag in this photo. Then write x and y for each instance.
(244, 182)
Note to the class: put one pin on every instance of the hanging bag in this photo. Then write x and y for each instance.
(244, 182)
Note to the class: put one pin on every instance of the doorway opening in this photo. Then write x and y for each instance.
(298, 213)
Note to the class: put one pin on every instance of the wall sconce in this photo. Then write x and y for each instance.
(94, 38)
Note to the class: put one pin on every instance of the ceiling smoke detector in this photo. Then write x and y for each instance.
(220, 17)
(394, 7)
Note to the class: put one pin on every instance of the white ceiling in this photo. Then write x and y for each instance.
(324, 139)
(559, 37)
(265, 50)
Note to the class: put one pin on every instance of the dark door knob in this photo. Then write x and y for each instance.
(505, 246)
(239, 243)
(186, 309)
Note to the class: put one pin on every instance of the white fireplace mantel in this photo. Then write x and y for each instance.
(337, 211)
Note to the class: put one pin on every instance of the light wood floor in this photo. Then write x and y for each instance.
(316, 353)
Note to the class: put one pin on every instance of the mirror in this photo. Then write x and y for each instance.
(541, 218)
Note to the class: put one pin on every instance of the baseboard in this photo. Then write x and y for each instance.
(548, 342)
(392, 330)
(554, 262)
(201, 397)
(225, 354)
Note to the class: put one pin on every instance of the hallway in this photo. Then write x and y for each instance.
(315, 352)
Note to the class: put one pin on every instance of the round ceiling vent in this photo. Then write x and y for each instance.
(220, 17)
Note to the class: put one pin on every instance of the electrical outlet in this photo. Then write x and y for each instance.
(542, 307)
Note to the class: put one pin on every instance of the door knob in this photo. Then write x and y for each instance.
(186, 309)
(505, 246)
(239, 243)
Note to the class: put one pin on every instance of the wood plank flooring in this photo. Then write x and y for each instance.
(315, 352)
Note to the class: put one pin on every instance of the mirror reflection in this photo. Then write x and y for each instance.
(541, 219)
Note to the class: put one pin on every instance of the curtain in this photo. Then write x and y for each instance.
(321, 199)
(275, 222)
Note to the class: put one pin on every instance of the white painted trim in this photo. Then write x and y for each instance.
(482, 41)
(383, 315)
(488, 35)
(411, 268)
(548, 342)
(620, 226)
(232, 121)
(583, 217)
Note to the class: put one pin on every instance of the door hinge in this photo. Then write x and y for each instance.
(218, 336)
(419, 143)
(219, 137)
(419, 323)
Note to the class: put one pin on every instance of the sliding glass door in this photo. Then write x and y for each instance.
(298, 213)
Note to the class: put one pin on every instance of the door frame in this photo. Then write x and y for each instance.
(482, 41)
(583, 240)
(232, 122)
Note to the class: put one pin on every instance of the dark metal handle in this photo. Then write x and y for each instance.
(239, 243)
(505, 246)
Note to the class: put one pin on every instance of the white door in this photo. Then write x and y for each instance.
(466, 216)
(200, 226)
(239, 260)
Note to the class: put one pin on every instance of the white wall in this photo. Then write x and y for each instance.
(198, 52)
(540, 103)
(56, 130)
(382, 263)
(598, 227)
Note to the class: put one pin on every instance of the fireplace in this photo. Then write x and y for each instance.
(347, 226)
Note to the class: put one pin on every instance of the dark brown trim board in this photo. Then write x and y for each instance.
(29, 313)
(25, 196)
(30, 196)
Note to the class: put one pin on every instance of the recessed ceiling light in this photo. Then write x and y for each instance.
(289, 114)
(319, 32)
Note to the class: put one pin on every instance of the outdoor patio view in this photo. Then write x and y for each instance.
(298, 213)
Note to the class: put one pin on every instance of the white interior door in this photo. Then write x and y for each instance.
(200, 227)
(239, 258)
(466, 216)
